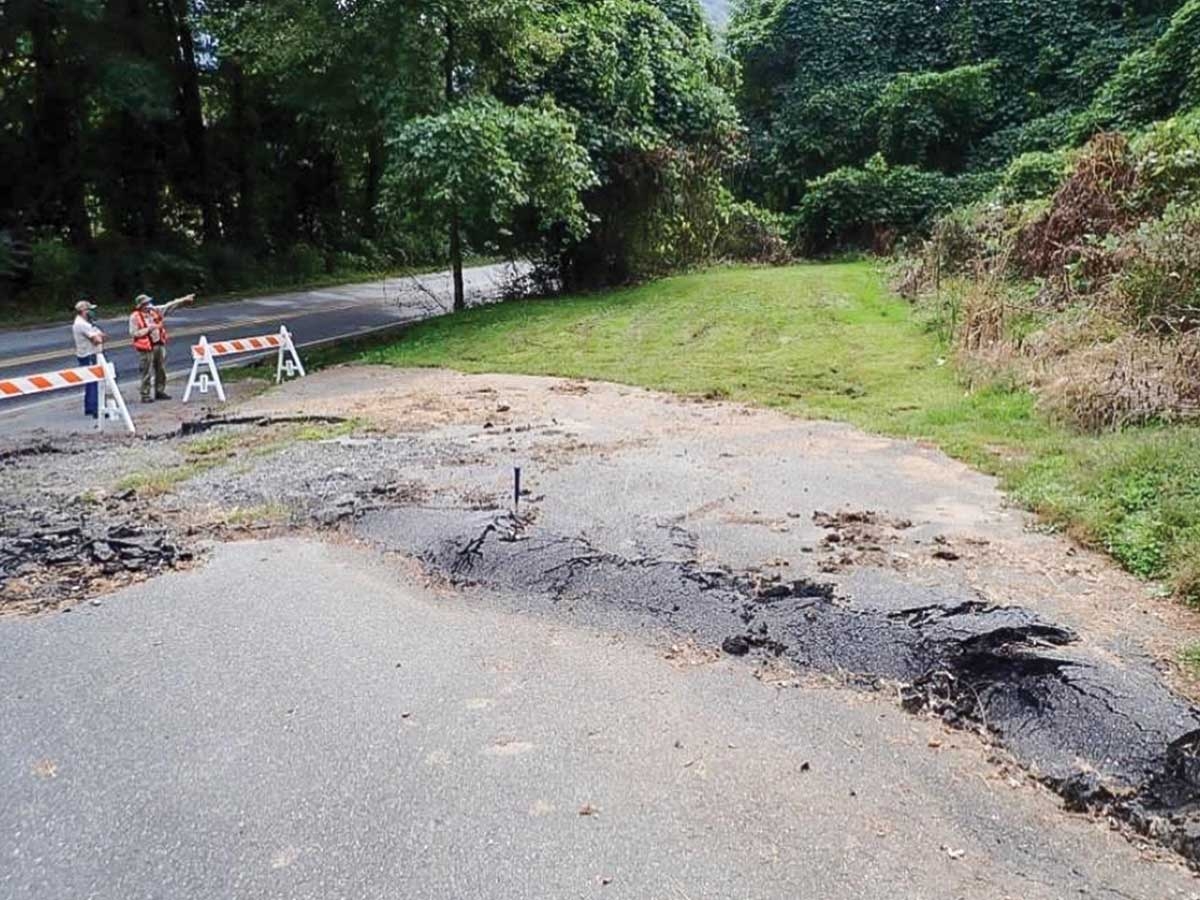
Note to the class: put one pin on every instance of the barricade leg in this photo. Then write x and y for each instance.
(110, 381)
(187, 391)
(286, 342)
(205, 359)
(216, 376)
(101, 395)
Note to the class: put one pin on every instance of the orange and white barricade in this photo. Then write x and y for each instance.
(205, 355)
(102, 373)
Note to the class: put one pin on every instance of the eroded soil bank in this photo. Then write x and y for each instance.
(809, 545)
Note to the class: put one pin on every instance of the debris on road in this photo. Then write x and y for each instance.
(53, 556)
(859, 537)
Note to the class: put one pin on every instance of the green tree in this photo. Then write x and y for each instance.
(480, 167)
(653, 106)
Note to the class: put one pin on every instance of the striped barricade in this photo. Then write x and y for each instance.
(205, 355)
(102, 373)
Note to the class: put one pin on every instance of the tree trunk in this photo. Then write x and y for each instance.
(456, 264)
(456, 261)
(56, 127)
(371, 179)
(191, 113)
(244, 137)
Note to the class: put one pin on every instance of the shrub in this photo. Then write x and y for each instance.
(1155, 82)
(752, 234)
(1168, 162)
(1049, 132)
(161, 272)
(376, 259)
(814, 133)
(1160, 279)
(1092, 203)
(9, 265)
(230, 267)
(872, 205)
(345, 262)
(304, 262)
(54, 268)
(1032, 175)
(929, 118)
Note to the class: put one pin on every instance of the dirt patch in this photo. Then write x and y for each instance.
(689, 654)
(721, 469)
(860, 537)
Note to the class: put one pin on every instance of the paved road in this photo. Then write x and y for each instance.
(312, 316)
(299, 720)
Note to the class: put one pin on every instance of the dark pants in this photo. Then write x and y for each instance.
(152, 364)
(90, 391)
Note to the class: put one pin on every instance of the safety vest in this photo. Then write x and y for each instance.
(144, 343)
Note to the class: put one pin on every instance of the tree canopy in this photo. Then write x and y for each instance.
(215, 143)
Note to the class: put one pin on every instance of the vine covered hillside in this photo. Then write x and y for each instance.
(868, 118)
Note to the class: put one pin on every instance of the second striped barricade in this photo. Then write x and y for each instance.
(205, 356)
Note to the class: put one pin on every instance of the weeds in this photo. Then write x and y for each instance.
(326, 431)
(1189, 659)
(1091, 297)
(263, 514)
(158, 482)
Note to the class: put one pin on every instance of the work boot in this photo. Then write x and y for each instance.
(162, 395)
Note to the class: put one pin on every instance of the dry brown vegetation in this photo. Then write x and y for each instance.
(1088, 299)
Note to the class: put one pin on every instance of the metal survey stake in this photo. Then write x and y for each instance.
(516, 489)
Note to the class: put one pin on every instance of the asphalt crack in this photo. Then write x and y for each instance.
(1110, 740)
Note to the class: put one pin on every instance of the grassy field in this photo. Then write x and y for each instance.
(830, 341)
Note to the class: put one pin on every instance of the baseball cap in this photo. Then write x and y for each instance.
(84, 306)
(143, 300)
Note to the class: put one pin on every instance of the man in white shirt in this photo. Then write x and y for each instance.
(89, 340)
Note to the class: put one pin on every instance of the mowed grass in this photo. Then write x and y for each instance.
(831, 341)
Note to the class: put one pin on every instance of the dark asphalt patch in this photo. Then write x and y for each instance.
(199, 426)
(1109, 737)
(37, 448)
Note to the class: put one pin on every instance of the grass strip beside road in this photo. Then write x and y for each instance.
(831, 341)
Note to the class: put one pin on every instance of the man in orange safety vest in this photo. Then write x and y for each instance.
(149, 335)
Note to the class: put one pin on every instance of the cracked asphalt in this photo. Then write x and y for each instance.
(717, 652)
(303, 720)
